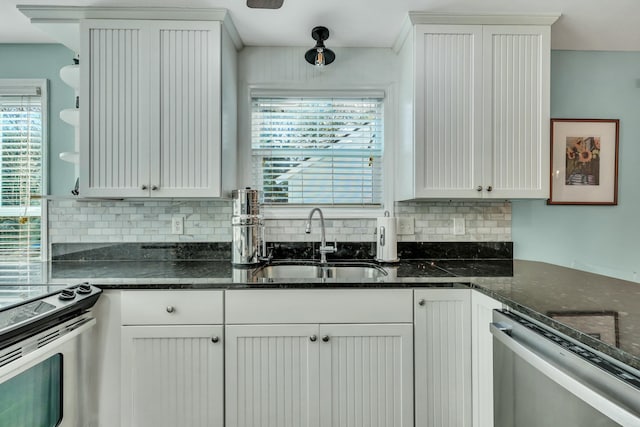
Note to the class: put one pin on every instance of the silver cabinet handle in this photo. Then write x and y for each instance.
(144, 187)
(422, 302)
(325, 338)
(479, 188)
(313, 338)
(170, 309)
(489, 188)
(215, 339)
(154, 187)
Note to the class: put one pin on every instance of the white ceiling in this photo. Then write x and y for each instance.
(584, 24)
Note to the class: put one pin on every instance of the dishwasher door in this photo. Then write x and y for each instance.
(543, 378)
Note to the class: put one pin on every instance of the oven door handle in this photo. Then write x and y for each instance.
(555, 372)
(36, 356)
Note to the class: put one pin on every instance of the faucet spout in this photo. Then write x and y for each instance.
(324, 249)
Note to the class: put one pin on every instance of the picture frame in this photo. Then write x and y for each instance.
(601, 325)
(584, 162)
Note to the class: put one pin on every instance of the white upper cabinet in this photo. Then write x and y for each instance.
(474, 108)
(448, 101)
(516, 100)
(152, 113)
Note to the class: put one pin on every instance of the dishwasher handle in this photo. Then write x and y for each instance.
(502, 333)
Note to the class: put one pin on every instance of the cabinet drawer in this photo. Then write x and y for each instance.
(172, 307)
(319, 306)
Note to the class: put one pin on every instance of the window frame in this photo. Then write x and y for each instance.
(43, 84)
(332, 211)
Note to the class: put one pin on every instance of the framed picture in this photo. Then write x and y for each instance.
(584, 162)
(601, 325)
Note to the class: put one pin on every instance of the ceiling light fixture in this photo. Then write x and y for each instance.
(320, 55)
(265, 4)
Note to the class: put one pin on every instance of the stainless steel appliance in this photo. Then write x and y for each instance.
(42, 376)
(247, 226)
(544, 378)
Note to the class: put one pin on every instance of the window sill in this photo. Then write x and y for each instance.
(329, 212)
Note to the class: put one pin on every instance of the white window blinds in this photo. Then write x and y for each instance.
(317, 150)
(21, 173)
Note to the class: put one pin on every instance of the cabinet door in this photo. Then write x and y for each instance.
(172, 376)
(366, 375)
(115, 110)
(482, 308)
(152, 110)
(187, 161)
(516, 69)
(272, 375)
(442, 358)
(448, 110)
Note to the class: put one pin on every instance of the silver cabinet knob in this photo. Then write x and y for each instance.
(144, 187)
(422, 302)
(313, 338)
(154, 187)
(170, 309)
(489, 188)
(215, 339)
(325, 338)
(479, 188)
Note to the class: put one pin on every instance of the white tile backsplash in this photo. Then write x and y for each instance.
(484, 221)
(72, 221)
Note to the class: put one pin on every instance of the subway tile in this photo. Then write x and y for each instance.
(141, 221)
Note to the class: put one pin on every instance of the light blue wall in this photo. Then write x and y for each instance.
(599, 239)
(43, 61)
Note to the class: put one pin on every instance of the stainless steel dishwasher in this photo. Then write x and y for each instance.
(544, 378)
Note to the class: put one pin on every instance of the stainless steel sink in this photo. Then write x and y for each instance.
(338, 271)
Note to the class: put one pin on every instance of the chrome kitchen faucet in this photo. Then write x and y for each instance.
(324, 249)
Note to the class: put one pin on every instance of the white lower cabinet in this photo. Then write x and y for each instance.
(172, 376)
(442, 358)
(318, 374)
(272, 375)
(366, 374)
(172, 372)
(482, 308)
(306, 358)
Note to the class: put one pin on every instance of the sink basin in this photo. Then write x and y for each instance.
(344, 271)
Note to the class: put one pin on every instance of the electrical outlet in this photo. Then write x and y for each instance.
(458, 226)
(177, 225)
(405, 226)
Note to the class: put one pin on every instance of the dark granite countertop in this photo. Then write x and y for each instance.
(599, 311)
(116, 274)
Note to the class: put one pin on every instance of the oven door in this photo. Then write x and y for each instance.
(42, 382)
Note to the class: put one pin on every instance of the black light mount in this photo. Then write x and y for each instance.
(265, 4)
(320, 55)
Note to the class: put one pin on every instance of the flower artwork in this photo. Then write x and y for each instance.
(582, 160)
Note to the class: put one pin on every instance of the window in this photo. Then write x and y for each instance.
(21, 174)
(318, 150)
